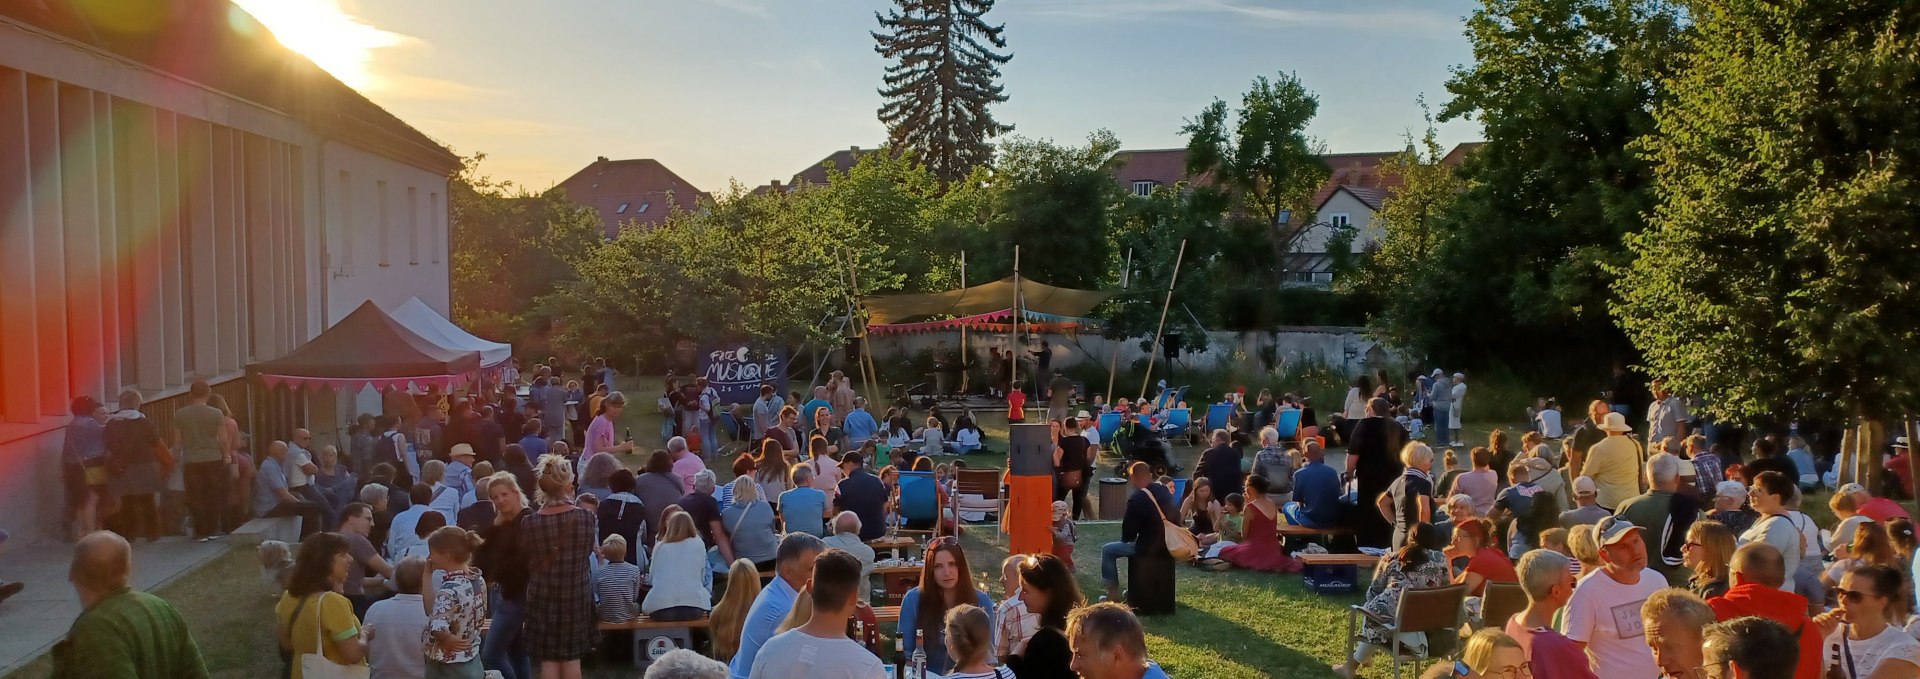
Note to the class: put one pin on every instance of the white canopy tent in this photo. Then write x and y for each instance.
(422, 319)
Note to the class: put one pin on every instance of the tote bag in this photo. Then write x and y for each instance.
(1180, 541)
(315, 665)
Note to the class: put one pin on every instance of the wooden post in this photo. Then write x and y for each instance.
(964, 356)
(1154, 350)
(1912, 430)
(1113, 362)
(1014, 376)
(860, 325)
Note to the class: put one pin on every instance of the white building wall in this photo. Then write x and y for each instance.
(1359, 215)
(383, 249)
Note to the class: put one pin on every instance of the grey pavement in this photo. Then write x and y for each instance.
(33, 620)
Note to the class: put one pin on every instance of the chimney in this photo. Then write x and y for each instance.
(601, 159)
(855, 149)
(775, 183)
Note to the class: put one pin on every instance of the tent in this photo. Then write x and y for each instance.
(422, 319)
(982, 299)
(369, 348)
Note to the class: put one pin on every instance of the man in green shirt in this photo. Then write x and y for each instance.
(121, 632)
(1663, 517)
(200, 435)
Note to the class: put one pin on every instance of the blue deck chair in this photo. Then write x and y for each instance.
(1178, 420)
(1217, 415)
(1109, 423)
(1289, 425)
(1180, 490)
(919, 497)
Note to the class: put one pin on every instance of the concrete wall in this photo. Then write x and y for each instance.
(1344, 348)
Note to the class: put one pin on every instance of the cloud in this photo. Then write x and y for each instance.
(750, 7)
(1395, 19)
(496, 127)
(392, 84)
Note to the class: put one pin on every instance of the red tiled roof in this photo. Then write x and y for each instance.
(1360, 171)
(1459, 153)
(648, 190)
(841, 161)
(1372, 196)
(1164, 167)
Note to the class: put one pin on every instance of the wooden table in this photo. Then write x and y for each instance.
(894, 544)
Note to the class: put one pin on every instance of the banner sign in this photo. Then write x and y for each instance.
(737, 372)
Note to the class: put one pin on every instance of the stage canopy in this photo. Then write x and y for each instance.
(983, 299)
(422, 319)
(369, 348)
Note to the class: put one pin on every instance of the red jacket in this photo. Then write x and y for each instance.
(1783, 607)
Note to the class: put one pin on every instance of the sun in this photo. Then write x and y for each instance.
(325, 32)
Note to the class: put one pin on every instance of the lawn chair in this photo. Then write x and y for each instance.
(1288, 425)
(1218, 415)
(1439, 612)
(1179, 420)
(920, 501)
(1499, 601)
(982, 482)
(1109, 424)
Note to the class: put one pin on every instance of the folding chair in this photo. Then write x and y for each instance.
(1218, 414)
(1109, 424)
(982, 482)
(1288, 425)
(920, 500)
(1439, 612)
(1499, 601)
(1179, 420)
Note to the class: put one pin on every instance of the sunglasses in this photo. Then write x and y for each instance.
(1854, 596)
(944, 541)
(1691, 544)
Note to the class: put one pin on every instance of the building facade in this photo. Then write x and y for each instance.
(170, 217)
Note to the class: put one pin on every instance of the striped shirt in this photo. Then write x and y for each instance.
(617, 585)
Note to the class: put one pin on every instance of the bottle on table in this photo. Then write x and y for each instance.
(919, 654)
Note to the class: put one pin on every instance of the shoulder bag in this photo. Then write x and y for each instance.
(316, 665)
(1180, 541)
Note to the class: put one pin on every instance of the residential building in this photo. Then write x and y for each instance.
(640, 191)
(816, 174)
(181, 196)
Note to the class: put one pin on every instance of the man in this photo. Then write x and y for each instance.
(685, 463)
(859, 425)
(1140, 527)
(766, 411)
(1090, 430)
(199, 434)
(807, 411)
(1730, 507)
(705, 510)
(1275, 463)
(1602, 616)
(793, 566)
(460, 469)
(1880, 509)
(1758, 570)
(1614, 463)
(1767, 458)
(1373, 458)
(553, 407)
(396, 625)
(1751, 648)
(820, 648)
(1220, 466)
(1664, 516)
(490, 438)
(300, 470)
(1316, 490)
(121, 632)
(841, 396)
(1667, 416)
(1673, 619)
(400, 532)
(1059, 394)
(863, 494)
(1583, 437)
(1108, 643)
(681, 663)
(1548, 584)
(271, 498)
(1588, 510)
(1441, 396)
(846, 538)
(708, 397)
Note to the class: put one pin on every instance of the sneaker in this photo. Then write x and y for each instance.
(218, 536)
(8, 589)
(202, 538)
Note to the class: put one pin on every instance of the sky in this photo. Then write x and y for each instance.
(754, 90)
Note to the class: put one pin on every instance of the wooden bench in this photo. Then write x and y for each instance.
(886, 614)
(1337, 559)
(680, 632)
(283, 528)
(1308, 532)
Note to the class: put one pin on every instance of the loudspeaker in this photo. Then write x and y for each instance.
(1170, 345)
(853, 349)
(1030, 488)
(1030, 449)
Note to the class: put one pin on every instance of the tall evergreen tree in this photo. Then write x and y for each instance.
(944, 75)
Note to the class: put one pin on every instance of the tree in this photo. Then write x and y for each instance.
(1777, 273)
(510, 246)
(1262, 160)
(1411, 230)
(1053, 202)
(943, 78)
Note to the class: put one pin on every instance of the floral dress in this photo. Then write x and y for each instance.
(1392, 578)
(560, 620)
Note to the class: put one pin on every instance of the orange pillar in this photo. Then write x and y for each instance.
(1030, 514)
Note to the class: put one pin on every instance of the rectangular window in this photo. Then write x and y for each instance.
(1340, 219)
(380, 202)
(344, 216)
(435, 243)
(1144, 187)
(413, 225)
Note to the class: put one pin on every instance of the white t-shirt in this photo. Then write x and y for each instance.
(1779, 532)
(1091, 434)
(1811, 540)
(1890, 645)
(1549, 423)
(297, 460)
(1605, 615)
(794, 654)
(995, 673)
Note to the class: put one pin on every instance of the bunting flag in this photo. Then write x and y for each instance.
(992, 321)
(446, 383)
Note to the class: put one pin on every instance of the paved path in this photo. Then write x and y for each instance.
(34, 619)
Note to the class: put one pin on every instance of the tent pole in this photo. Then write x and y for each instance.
(1154, 351)
(964, 356)
(865, 360)
(1113, 362)
(1013, 378)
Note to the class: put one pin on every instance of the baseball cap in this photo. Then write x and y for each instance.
(1730, 489)
(1612, 529)
(1584, 486)
(1852, 488)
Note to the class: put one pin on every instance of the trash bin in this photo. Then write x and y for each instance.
(1113, 498)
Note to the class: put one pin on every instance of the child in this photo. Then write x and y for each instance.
(617, 583)
(1014, 625)
(1556, 539)
(459, 605)
(1232, 518)
(1065, 533)
(1843, 509)
(1412, 422)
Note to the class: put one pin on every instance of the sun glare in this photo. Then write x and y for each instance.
(325, 32)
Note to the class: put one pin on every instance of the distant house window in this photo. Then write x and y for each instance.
(622, 209)
(643, 207)
(1341, 219)
(1144, 187)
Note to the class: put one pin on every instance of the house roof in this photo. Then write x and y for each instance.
(640, 190)
(1161, 166)
(1372, 196)
(1361, 171)
(234, 54)
(842, 161)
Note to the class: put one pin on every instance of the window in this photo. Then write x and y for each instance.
(643, 208)
(413, 225)
(1340, 219)
(622, 209)
(344, 213)
(434, 243)
(380, 198)
(1144, 187)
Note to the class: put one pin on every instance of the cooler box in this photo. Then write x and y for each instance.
(1331, 578)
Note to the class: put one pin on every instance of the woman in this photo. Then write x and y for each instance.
(933, 438)
(135, 471)
(1418, 565)
(1489, 654)
(750, 525)
(1870, 547)
(621, 513)
(1502, 456)
(312, 616)
(1473, 541)
(240, 497)
(597, 475)
(1261, 550)
(1458, 509)
(678, 571)
(1072, 457)
(1049, 591)
(336, 482)
(1450, 460)
(969, 633)
(1863, 637)
(558, 540)
(83, 466)
(658, 487)
(966, 434)
(503, 559)
(356, 525)
(521, 467)
(1708, 553)
(826, 466)
(1409, 501)
(730, 615)
(669, 404)
(1482, 484)
(1265, 410)
(1900, 534)
(599, 437)
(1201, 511)
(945, 582)
(1769, 497)
(771, 472)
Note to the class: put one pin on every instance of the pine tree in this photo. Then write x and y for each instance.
(943, 77)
